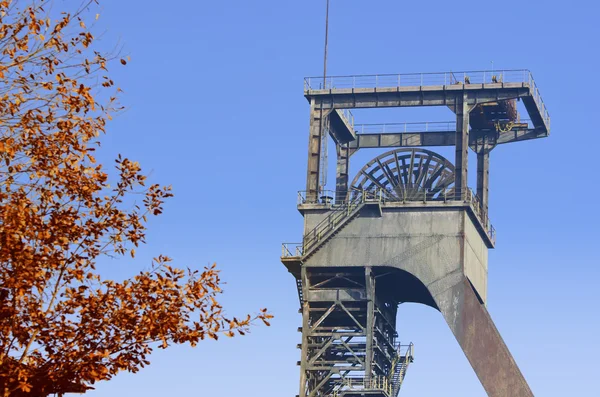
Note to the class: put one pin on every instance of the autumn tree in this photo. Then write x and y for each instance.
(62, 325)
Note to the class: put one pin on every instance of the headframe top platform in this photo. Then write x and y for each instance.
(429, 89)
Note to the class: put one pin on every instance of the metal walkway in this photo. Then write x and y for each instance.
(428, 82)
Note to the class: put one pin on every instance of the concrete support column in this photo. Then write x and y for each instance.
(370, 326)
(305, 332)
(341, 178)
(462, 147)
(314, 151)
(483, 178)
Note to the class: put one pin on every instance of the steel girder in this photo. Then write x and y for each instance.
(350, 338)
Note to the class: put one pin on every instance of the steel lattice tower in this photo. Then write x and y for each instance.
(406, 229)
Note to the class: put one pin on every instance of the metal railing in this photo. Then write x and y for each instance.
(347, 114)
(482, 215)
(369, 384)
(291, 250)
(347, 202)
(384, 195)
(353, 384)
(418, 79)
(431, 79)
(407, 350)
(357, 384)
(389, 128)
(407, 353)
(337, 199)
(324, 197)
(395, 128)
(339, 214)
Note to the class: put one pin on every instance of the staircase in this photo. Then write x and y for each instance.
(329, 227)
(339, 218)
(325, 230)
(300, 294)
(399, 368)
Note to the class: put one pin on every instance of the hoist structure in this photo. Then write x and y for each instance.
(406, 228)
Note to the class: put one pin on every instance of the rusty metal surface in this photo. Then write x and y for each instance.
(481, 342)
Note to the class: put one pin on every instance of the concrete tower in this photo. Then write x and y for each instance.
(406, 229)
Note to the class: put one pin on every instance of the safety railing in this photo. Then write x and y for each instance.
(397, 377)
(346, 201)
(537, 97)
(291, 250)
(409, 353)
(384, 195)
(357, 384)
(339, 215)
(374, 383)
(324, 197)
(347, 114)
(406, 351)
(395, 128)
(397, 372)
(332, 197)
(390, 128)
(482, 215)
(430, 79)
(418, 79)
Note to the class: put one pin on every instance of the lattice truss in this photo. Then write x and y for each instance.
(349, 335)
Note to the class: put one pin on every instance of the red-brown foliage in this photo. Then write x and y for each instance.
(62, 326)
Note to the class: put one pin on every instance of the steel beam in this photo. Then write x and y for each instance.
(370, 287)
(405, 139)
(438, 138)
(305, 331)
(316, 135)
(518, 135)
(353, 334)
(340, 128)
(443, 95)
(461, 161)
(483, 178)
(341, 178)
(481, 342)
(484, 142)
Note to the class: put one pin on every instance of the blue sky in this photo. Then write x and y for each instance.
(215, 108)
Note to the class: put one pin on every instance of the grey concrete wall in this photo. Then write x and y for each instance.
(476, 259)
(437, 245)
(314, 214)
(426, 243)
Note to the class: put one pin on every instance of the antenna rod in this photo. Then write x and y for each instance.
(324, 128)
(326, 38)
